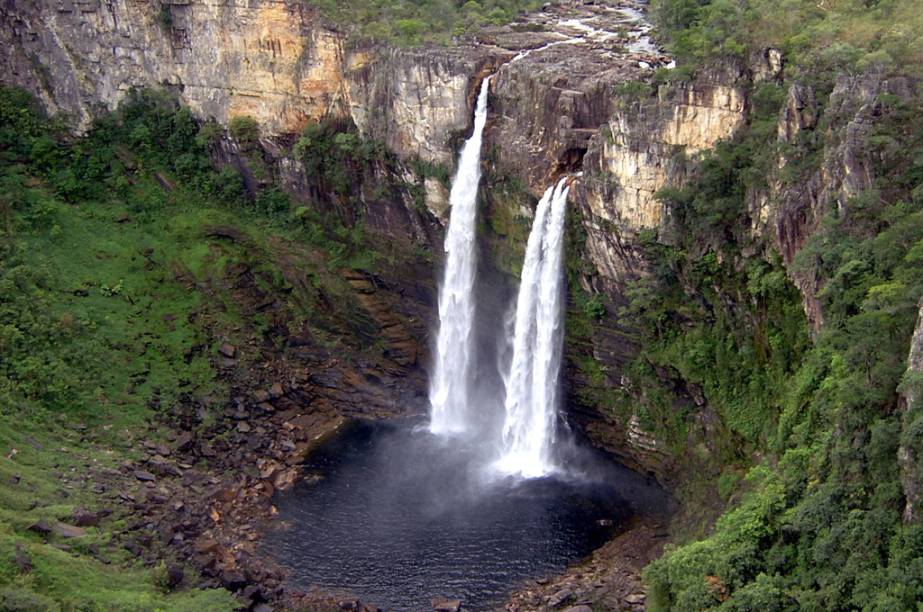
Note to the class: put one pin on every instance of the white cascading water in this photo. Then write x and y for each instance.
(532, 383)
(449, 384)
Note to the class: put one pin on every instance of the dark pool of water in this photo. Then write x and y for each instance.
(399, 517)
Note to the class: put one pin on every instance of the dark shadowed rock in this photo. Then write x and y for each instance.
(160, 465)
(175, 575)
(233, 580)
(184, 442)
(41, 528)
(85, 518)
(276, 391)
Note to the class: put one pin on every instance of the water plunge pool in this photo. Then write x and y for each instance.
(396, 517)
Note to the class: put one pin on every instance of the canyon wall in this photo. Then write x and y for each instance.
(277, 61)
(570, 101)
(558, 107)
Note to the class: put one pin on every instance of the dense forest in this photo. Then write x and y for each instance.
(816, 523)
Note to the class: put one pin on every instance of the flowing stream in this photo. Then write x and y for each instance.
(451, 378)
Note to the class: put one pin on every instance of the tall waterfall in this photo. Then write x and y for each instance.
(532, 383)
(449, 384)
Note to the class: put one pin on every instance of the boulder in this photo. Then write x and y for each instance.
(233, 580)
(41, 528)
(184, 442)
(560, 597)
(175, 575)
(67, 531)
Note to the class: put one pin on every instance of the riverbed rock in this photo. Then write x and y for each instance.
(560, 597)
(444, 604)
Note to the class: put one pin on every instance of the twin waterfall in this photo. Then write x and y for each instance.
(536, 340)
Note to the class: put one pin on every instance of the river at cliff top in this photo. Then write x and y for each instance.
(396, 517)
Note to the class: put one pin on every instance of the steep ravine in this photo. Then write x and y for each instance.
(283, 65)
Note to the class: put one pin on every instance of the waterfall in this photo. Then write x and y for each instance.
(532, 382)
(449, 384)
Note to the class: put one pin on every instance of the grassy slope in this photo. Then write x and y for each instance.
(109, 353)
(108, 289)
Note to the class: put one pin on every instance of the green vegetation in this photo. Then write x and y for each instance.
(113, 287)
(816, 524)
(335, 153)
(244, 129)
(831, 35)
(425, 21)
(165, 18)
(508, 233)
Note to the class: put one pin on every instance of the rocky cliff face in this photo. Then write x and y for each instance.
(277, 61)
(797, 198)
(644, 146)
(271, 59)
(908, 454)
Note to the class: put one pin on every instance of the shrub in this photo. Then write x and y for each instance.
(244, 129)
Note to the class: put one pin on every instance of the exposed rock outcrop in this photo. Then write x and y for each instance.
(277, 61)
(789, 212)
(908, 454)
(643, 147)
(271, 59)
(416, 101)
